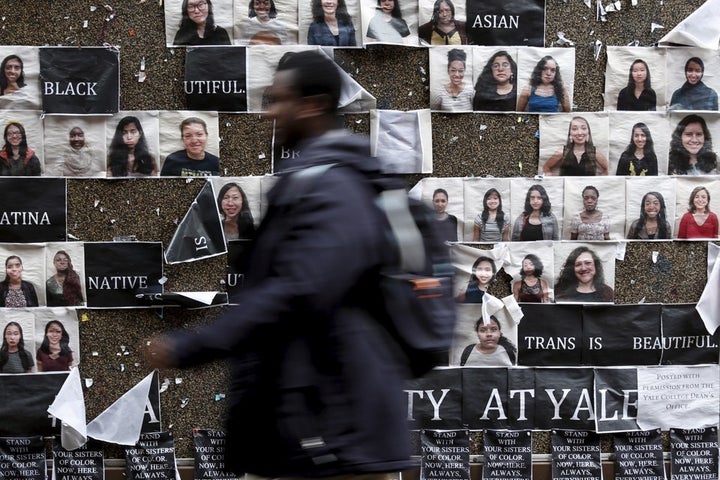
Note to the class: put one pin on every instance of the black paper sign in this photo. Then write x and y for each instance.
(24, 400)
(215, 79)
(576, 455)
(153, 457)
(445, 454)
(616, 399)
(485, 397)
(508, 455)
(22, 458)
(564, 398)
(521, 404)
(32, 210)
(694, 454)
(622, 335)
(639, 455)
(550, 335)
(685, 338)
(80, 80)
(84, 463)
(116, 272)
(152, 419)
(237, 257)
(506, 22)
(210, 455)
(435, 400)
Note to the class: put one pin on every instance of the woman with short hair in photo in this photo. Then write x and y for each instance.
(63, 289)
(691, 150)
(652, 223)
(493, 348)
(545, 93)
(591, 223)
(537, 222)
(262, 26)
(638, 95)
(197, 26)
(482, 274)
(491, 225)
(193, 160)
(582, 279)
(237, 219)
(17, 159)
(387, 25)
(639, 157)
(456, 95)
(129, 155)
(694, 94)
(579, 156)
(698, 221)
(531, 288)
(496, 87)
(332, 25)
(14, 291)
(13, 356)
(447, 224)
(12, 75)
(54, 354)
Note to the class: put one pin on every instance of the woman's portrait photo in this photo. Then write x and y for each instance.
(548, 88)
(630, 74)
(234, 208)
(532, 287)
(691, 148)
(536, 220)
(447, 224)
(129, 153)
(445, 197)
(579, 155)
(75, 147)
(595, 209)
(483, 272)
(446, 25)
(638, 158)
(496, 86)
(19, 78)
(196, 133)
(17, 158)
(387, 24)
(638, 94)
(650, 206)
(197, 21)
(453, 93)
(481, 344)
(14, 358)
(54, 354)
(693, 94)
(266, 22)
(698, 221)
(64, 286)
(487, 209)
(584, 277)
(16, 292)
(333, 25)
(590, 223)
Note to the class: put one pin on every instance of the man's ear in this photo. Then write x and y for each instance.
(315, 106)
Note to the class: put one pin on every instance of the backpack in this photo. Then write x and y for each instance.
(416, 307)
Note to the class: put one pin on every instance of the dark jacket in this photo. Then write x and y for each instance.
(316, 391)
(28, 289)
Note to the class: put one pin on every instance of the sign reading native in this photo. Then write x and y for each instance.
(32, 210)
(506, 22)
(80, 80)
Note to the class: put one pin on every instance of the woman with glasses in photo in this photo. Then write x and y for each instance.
(16, 158)
(197, 26)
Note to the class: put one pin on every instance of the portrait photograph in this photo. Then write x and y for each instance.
(402, 140)
(198, 22)
(574, 145)
(23, 284)
(75, 146)
(330, 23)
(189, 144)
(531, 265)
(56, 339)
(536, 209)
(18, 339)
(65, 274)
(649, 208)
(390, 21)
(692, 151)
(475, 271)
(594, 209)
(480, 344)
(546, 79)
(635, 79)
(697, 202)
(132, 144)
(266, 22)
(239, 200)
(487, 210)
(21, 154)
(20, 78)
(495, 77)
(584, 272)
(693, 79)
(451, 79)
(442, 22)
(639, 143)
(445, 197)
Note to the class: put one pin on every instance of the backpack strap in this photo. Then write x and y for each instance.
(407, 235)
(466, 354)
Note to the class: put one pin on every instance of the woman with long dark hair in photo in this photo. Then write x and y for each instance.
(638, 95)
(691, 149)
(545, 93)
(197, 26)
(17, 159)
(63, 289)
(652, 223)
(332, 25)
(237, 219)
(639, 156)
(54, 354)
(129, 155)
(582, 279)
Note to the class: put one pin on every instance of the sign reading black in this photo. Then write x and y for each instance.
(616, 399)
(639, 455)
(694, 454)
(153, 457)
(23, 458)
(445, 454)
(508, 455)
(84, 463)
(685, 338)
(506, 22)
(435, 399)
(215, 79)
(80, 80)
(24, 400)
(33, 210)
(210, 455)
(575, 455)
(550, 335)
(118, 271)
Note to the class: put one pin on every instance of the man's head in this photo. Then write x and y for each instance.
(304, 96)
